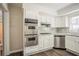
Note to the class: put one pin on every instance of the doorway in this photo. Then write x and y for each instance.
(1, 34)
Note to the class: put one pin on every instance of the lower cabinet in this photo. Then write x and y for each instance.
(46, 41)
(72, 43)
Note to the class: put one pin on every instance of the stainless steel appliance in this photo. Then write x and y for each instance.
(31, 26)
(31, 40)
(31, 32)
(59, 41)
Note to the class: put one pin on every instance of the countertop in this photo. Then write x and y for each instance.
(59, 33)
(68, 34)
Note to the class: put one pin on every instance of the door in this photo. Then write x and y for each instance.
(30, 13)
(51, 41)
(40, 42)
(77, 44)
(68, 42)
(46, 42)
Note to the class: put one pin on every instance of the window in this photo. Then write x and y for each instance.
(74, 24)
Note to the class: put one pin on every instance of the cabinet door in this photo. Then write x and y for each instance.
(40, 42)
(31, 14)
(43, 19)
(73, 38)
(68, 42)
(77, 44)
(60, 21)
(72, 43)
(48, 20)
(52, 20)
(46, 42)
(51, 41)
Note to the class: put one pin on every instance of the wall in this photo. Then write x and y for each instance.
(6, 32)
(16, 28)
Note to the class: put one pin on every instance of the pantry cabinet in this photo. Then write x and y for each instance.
(72, 43)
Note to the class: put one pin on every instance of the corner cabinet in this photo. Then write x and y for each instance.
(61, 21)
(72, 43)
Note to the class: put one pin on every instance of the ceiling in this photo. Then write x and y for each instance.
(54, 6)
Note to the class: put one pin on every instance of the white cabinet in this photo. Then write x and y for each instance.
(76, 44)
(42, 18)
(45, 18)
(46, 41)
(28, 13)
(49, 19)
(52, 21)
(61, 21)
(51, 41)
(72, 43)
(40, 42)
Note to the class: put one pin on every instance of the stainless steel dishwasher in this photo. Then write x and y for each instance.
(59, 41)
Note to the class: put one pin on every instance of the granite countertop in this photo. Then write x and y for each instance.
(68, 34)
(73, 34)
(60, 33)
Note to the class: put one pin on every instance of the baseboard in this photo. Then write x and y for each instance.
(29, 54)
(14, 51)
(72, 52)
(60, 48)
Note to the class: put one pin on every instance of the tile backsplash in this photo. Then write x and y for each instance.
(62, 30)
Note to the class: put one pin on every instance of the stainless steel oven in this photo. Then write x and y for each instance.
(31, 40)
(31, 32)
(31, 26)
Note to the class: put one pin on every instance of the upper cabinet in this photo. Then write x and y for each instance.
(54, 21)
(28, 13)
(47, 19)
(61, 21)
(44, 18)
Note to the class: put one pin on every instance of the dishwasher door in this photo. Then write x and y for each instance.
(59, 41)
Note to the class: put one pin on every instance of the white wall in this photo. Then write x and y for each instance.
(6, 33)
(16, 28)
(6, 28)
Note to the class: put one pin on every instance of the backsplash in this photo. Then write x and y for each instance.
(62, 30)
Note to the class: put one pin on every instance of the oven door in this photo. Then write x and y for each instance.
(31, 29)
(31, 40)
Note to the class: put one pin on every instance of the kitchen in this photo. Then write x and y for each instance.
(49, 29)
(54, 31)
